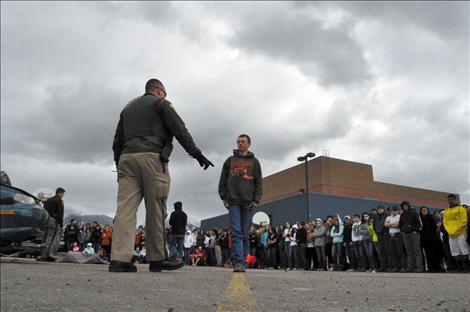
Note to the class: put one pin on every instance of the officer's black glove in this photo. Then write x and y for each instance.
(203, 161)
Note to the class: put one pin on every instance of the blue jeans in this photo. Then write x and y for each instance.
(176, 246)
(382, 252)
(397, 257)
(294, 257)
(360, 254)
(240, 223)
(370, 249)
(413, 252)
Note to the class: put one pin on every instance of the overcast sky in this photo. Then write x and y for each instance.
(381, 83)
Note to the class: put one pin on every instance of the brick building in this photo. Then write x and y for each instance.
(344, 178)
(335, 185)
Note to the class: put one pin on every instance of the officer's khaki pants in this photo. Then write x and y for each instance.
(141, 175)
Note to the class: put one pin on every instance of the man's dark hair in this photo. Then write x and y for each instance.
(405, 203)
(59, 190)
(153, 84)
(451, 196)
(178, 205)
(245, 136)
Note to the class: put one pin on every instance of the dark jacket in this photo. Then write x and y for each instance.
(272, 240)
(379, 224)
(71, 233)
(96, 236)
(148, 124)
(301, 236)
(347, 233)
(223, 242)
(241, 181)
(253, 240)
(429, 230)
(55, 207)
(409, 221)
(178, 220)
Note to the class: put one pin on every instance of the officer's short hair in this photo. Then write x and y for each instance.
(245, 136)
(153, 84)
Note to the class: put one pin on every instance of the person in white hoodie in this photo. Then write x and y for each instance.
(294, 252)
(358, 245)
(188, 244)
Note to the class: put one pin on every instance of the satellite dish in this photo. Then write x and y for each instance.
(261, 218)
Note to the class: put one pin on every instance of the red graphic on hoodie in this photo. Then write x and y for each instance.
(242, 168)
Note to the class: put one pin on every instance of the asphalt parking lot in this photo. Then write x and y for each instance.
(27, 285)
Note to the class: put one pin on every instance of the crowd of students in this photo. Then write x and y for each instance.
(88, 238)
(396, 239)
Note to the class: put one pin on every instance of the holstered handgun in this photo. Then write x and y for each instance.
(166, 151)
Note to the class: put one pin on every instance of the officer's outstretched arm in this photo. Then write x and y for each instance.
(177, 128)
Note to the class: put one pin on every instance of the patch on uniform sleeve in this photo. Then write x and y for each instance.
(171, 105)
(167, 103)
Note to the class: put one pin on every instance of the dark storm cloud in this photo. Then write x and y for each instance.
(75, 124)
(330, 55)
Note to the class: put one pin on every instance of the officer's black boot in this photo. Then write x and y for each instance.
(168, 264)
(120, 266)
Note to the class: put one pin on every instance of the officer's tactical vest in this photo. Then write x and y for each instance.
(140, 117)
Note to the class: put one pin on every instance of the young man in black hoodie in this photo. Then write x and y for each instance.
(410, 227)
(240, 188)
(302, 244)
(178, 221)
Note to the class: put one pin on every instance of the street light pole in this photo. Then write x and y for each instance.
(305, 159)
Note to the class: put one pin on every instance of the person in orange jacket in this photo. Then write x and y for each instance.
(106, 236)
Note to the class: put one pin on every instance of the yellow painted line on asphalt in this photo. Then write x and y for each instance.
(237, 296)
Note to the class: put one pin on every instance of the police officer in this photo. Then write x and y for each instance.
(55, 207)
(142, 146)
